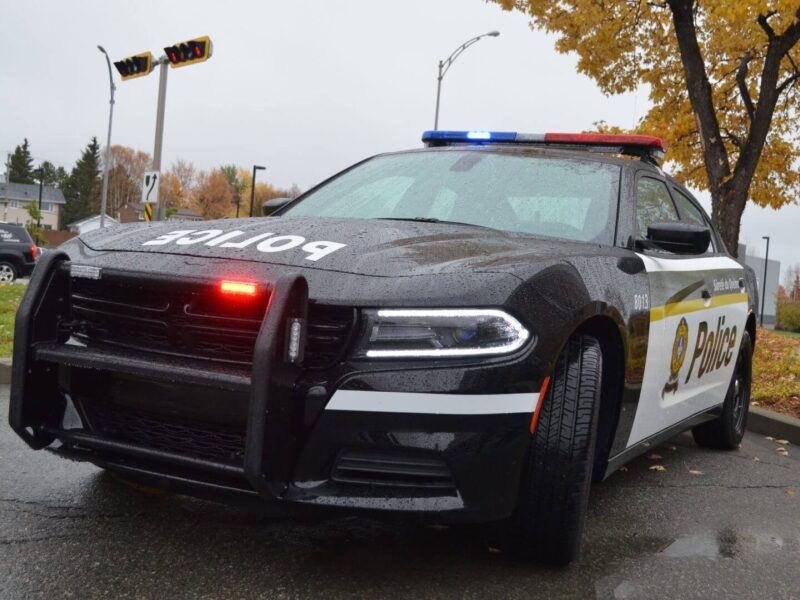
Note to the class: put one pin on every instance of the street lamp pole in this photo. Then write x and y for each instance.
(764, 285)
(253, 187)
(40, 170)
(444, 66)
(104, 200)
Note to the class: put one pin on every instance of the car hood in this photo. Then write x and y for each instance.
(378, 248)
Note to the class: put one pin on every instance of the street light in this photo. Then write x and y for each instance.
(103, 201)
(253, 187)
(764, 286)
(444, 66)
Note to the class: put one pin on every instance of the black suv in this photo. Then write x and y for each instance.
(18, 253)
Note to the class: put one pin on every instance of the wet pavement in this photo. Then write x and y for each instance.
(712, 525)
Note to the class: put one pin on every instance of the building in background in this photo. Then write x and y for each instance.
(90, 224)
(15, 197)
(773, 280)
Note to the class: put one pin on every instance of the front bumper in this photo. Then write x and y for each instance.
(445, 444)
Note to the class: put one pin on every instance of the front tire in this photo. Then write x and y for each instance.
(8, 273)
(548, 523)
(726, 431)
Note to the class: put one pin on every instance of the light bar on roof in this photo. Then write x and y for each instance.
(646, 146)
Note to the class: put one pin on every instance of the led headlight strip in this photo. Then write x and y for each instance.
(518, 338)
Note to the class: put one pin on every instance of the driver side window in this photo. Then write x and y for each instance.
(653, 204)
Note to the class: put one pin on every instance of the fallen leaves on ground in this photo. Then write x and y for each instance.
(695, 472)
(790, 491)
(658, 468)
(783, 442)
(654, 456)
(776, 373)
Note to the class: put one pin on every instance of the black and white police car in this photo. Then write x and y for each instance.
(468, 332)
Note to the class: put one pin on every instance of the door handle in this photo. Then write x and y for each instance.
(706, 297)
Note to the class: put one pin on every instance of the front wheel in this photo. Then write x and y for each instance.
(548, 522)
(726, 431)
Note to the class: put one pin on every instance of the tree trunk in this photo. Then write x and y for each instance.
(726, 213)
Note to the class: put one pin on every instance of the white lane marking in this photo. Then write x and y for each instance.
(433, 404)
(659, 264)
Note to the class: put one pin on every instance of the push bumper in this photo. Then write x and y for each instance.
(353, 445)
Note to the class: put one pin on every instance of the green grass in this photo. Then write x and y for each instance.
(10, 296)
(789, 334)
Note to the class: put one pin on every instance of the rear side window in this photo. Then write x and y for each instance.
(9, 233)
(653, 204)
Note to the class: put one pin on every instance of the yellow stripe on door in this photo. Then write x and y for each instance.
(689, 306)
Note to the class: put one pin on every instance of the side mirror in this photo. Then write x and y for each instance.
(270, 206)
(680, 238)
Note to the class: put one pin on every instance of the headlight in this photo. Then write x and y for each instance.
(440, 333)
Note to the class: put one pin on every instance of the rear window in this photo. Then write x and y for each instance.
(11, 233)
(520, 192)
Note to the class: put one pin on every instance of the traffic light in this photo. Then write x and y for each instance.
(189, 52)
(135, 66)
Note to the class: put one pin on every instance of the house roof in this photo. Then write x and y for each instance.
(30, 191)
(92, 218)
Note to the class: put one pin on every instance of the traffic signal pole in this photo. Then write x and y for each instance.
(162, 100)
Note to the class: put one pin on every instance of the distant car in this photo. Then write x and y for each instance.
(467, 332)
(18, 253)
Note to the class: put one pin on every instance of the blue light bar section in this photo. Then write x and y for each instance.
(469, 136)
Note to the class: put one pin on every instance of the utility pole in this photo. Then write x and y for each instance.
(162, 101)
(104, 200)
(764, 284)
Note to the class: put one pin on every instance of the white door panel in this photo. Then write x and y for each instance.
(693, 340)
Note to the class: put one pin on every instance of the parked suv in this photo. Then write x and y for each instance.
(18, 253)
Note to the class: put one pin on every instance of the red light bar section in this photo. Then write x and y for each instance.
(607, 139)
(238, 288)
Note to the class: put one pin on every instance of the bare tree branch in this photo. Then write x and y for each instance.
(741, 81)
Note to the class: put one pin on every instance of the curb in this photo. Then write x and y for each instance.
(5, 371)
(775, 424)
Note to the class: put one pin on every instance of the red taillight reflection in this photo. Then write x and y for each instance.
(238, 288)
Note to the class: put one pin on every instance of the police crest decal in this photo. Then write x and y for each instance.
(678, 355)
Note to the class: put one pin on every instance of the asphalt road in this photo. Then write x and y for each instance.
(712, 525)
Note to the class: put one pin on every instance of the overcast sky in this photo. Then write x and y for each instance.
(305, 87)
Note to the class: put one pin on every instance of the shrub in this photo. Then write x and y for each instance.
(788, 317)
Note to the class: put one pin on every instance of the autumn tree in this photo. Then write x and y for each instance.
(126, 169)
(186, 174)
(722, 81)
(264, 191)
(213, 195)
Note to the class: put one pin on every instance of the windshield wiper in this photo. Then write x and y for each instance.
(434, 220)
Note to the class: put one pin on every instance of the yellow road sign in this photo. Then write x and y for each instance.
(148, 211)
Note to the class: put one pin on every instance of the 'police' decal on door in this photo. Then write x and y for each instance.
(698, 310)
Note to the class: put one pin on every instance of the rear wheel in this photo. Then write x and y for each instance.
(7, 272)
(548, 522)
(726, 431)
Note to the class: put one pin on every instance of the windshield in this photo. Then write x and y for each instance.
(556, 197)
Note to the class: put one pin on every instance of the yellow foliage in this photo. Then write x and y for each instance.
(624, 44)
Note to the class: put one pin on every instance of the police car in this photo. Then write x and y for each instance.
(467, 332)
